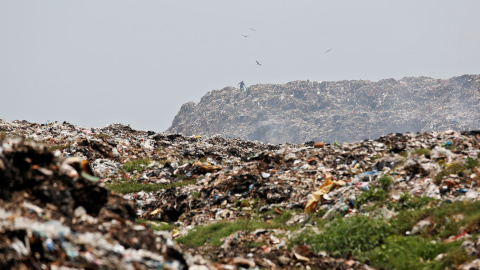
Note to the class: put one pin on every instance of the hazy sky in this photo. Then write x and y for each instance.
(93, 63)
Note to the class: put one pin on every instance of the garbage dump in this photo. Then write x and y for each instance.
(53, 213)
(57, 172)
(342, 111)
(255, 196)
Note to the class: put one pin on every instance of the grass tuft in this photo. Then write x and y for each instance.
(213, 234)
(124, 186)
(138, 165)
(373, 194)
(157, 226)
(348, 236)
(471, 163)
(452, 168)
(422, 151)
(404, 253)
(386, 182)
(384, 244)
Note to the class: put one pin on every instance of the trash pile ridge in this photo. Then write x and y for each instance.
(228, 203)
(342, 111)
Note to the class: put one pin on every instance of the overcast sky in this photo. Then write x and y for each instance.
(93, 63)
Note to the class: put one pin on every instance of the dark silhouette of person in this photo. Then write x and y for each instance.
(242, 85)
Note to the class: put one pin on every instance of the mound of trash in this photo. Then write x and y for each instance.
(101, 198)
(54, 213)
(342, 111)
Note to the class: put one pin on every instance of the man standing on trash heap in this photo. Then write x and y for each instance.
(242, 85)
(317, 196)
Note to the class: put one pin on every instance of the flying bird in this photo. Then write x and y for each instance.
(245, 35)
(258, 63)
(329, 50)
(253, 29)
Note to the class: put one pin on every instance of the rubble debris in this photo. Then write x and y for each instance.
(204, 181)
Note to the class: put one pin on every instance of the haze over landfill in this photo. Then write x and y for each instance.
(95, 63)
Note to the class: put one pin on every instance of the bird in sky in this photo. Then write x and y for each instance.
(245, 35)
(258, 63)
(253, 29)
(329, 50)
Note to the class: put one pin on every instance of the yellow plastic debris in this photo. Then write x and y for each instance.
(323, 189)
(156, 211)
(300, 257)
(206, 167)
(175, 233)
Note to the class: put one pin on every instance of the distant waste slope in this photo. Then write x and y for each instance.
(342, 111)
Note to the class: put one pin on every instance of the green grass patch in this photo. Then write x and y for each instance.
(408, 202)
(405, 220)
(453, 219)
(348, 236)
(450, 147)
(386, 182)
(446, 219)
(405, 253)
(384, 243)
(456, 256)
(4, 135)
(250, 245)
(452, 168)
(195, 194)
(59, 147)
(139, 165)
(157, 226)
(373, 194)
(213, 233)
(471, 163)
(280, 221)
(422, 151)
(102, 136)
(124, 186)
